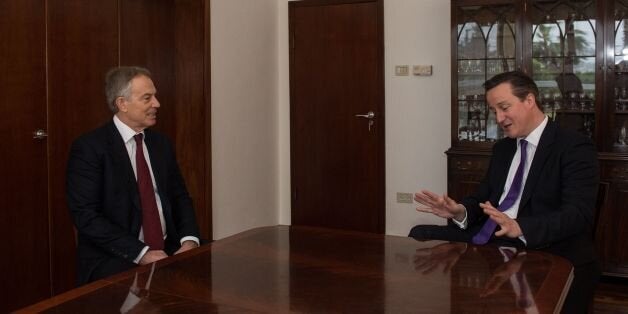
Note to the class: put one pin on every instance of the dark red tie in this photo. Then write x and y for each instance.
(151, 224)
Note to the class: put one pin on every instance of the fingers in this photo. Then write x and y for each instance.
(430, 194)
(449, 200)
(508, 226)
(425, 209)
(427, 198)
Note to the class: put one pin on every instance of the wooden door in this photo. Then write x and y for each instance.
(24, 271)
(336, 73)
(82, 45)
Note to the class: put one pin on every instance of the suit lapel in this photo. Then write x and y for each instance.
(158, 165)
(540, 156)
(503, 166)
(120, 158)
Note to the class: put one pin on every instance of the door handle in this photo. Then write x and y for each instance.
(368, 115)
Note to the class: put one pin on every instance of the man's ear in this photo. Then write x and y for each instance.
(530, 100)
(121, 104)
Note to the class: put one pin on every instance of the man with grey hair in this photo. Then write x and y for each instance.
(125, 191)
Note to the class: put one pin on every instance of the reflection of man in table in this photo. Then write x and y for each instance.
(481, 275)
(539, 191)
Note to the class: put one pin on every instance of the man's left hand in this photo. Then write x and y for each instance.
(509, 227)
(186, 246)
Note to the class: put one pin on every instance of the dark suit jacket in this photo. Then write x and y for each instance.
(104, 202)
(557, 205)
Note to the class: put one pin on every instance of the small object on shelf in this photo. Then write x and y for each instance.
(622, 136)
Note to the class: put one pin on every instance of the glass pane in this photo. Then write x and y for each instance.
(619, 129)
(485, 47)
(471, 42)
(496, 66)
(621, 37)
(471, 76)
(501, 41)
(546, 39)
(493, 131)
(472, 115)
(584, 68)
(584, 37)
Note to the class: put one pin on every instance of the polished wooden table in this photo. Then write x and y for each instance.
(310, 270)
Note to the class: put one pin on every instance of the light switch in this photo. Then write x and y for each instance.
(422, 70)
(401, 70)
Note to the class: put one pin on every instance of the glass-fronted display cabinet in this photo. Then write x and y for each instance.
(577, 53)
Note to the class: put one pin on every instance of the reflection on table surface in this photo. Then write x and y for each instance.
(302, 269)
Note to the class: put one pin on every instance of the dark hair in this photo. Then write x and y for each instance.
(522, 85)
(118, 83)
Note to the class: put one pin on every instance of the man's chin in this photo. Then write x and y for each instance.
(151, 122)
(508, 133)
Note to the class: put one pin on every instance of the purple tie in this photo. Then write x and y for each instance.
(485, 233)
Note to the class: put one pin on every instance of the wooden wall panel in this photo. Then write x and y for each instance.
(191, 99)
(82, 46)
(24, 211)
(147, 40)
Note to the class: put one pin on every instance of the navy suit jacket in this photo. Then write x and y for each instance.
(104, 203)
(556, 211)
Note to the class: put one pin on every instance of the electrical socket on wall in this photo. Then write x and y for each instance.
(422, 70)
(405, 198)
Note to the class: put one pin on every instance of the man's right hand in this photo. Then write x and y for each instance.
(441, 206)
(152, 256)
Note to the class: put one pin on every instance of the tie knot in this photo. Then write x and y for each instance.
(523, 143)
(138, 137)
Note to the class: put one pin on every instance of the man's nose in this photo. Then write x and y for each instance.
(156, 103)
(499, 116)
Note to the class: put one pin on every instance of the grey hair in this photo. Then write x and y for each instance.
(118, 83)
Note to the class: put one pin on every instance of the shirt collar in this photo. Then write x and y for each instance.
(126, 132)
(535, 136)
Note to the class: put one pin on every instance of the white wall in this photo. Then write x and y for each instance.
(417, 108)
(244, 114)
(250, 111)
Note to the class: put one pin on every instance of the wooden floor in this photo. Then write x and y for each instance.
(611, 296)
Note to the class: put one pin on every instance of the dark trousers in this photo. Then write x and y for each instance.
(586, 277)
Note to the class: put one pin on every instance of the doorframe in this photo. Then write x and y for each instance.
(380, 106)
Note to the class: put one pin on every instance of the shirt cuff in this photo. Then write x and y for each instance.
(523, 239)
(191, 238)
(139, 257)
(461, 224)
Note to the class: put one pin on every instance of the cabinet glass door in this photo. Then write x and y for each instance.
(619, 85)
(563, 61)
(485, 47)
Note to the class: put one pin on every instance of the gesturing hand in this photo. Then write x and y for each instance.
(509, 227)
(441, 206)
